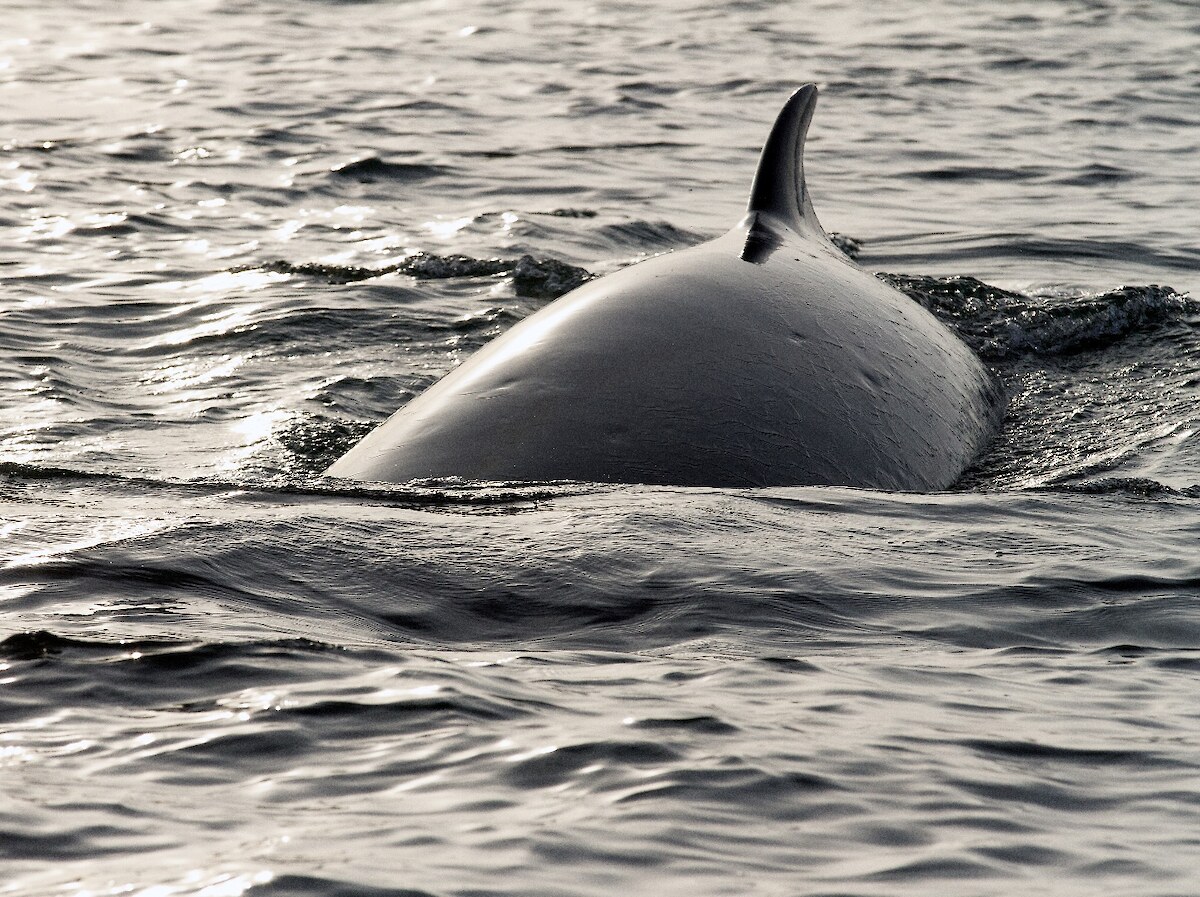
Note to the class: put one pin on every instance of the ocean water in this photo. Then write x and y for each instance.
(237, 236)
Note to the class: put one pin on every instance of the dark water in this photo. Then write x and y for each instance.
(236, 236)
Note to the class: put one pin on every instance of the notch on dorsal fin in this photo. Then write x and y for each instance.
(779, 188)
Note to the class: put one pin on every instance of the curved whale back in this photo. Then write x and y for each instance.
(764, 357)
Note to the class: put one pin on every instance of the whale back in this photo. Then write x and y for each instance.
(762, 358)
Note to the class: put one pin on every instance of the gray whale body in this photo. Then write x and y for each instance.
(762, 358)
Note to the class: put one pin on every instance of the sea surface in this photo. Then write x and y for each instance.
(235, 236)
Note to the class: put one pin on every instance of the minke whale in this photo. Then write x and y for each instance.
(762, 358)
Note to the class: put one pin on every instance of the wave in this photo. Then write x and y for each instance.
(624, 568)
(1138, 487)
(1002, 324)
(372, 168)
(648, 236)
(531, 278)
(447, 492)
(174, 654)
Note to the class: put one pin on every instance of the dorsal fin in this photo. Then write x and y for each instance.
(779, 188)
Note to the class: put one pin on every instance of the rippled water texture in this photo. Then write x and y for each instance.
(234, 237)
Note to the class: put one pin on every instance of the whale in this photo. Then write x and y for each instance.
(765, 357)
